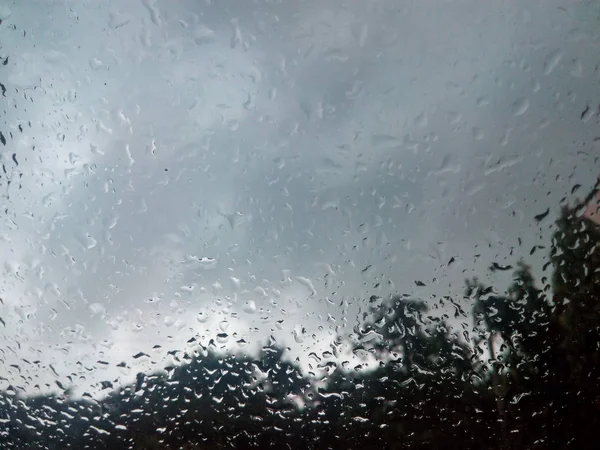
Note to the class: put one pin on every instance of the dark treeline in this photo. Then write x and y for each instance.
(529, 378)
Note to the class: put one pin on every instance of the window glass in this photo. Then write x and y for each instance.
(299, 224)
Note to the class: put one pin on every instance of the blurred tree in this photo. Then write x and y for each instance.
(575, 258)
(529, 379)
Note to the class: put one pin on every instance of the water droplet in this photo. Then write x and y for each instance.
(95, 64)
(551, 61)
(587, 113)
(202, 317)
(299, 333)
(453, 117)
(250, 307)
(153, 10)
(204, 35)
(307, 283)
(87, 241)
(478, 133)
(117, 20)
(520, 106)
(236, 37)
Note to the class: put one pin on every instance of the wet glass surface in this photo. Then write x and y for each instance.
(299, 224)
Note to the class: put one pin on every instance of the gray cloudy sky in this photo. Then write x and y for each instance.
(188, 168)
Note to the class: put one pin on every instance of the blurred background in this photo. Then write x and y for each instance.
(185, 178)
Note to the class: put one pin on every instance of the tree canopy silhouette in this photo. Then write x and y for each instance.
(524, 374)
